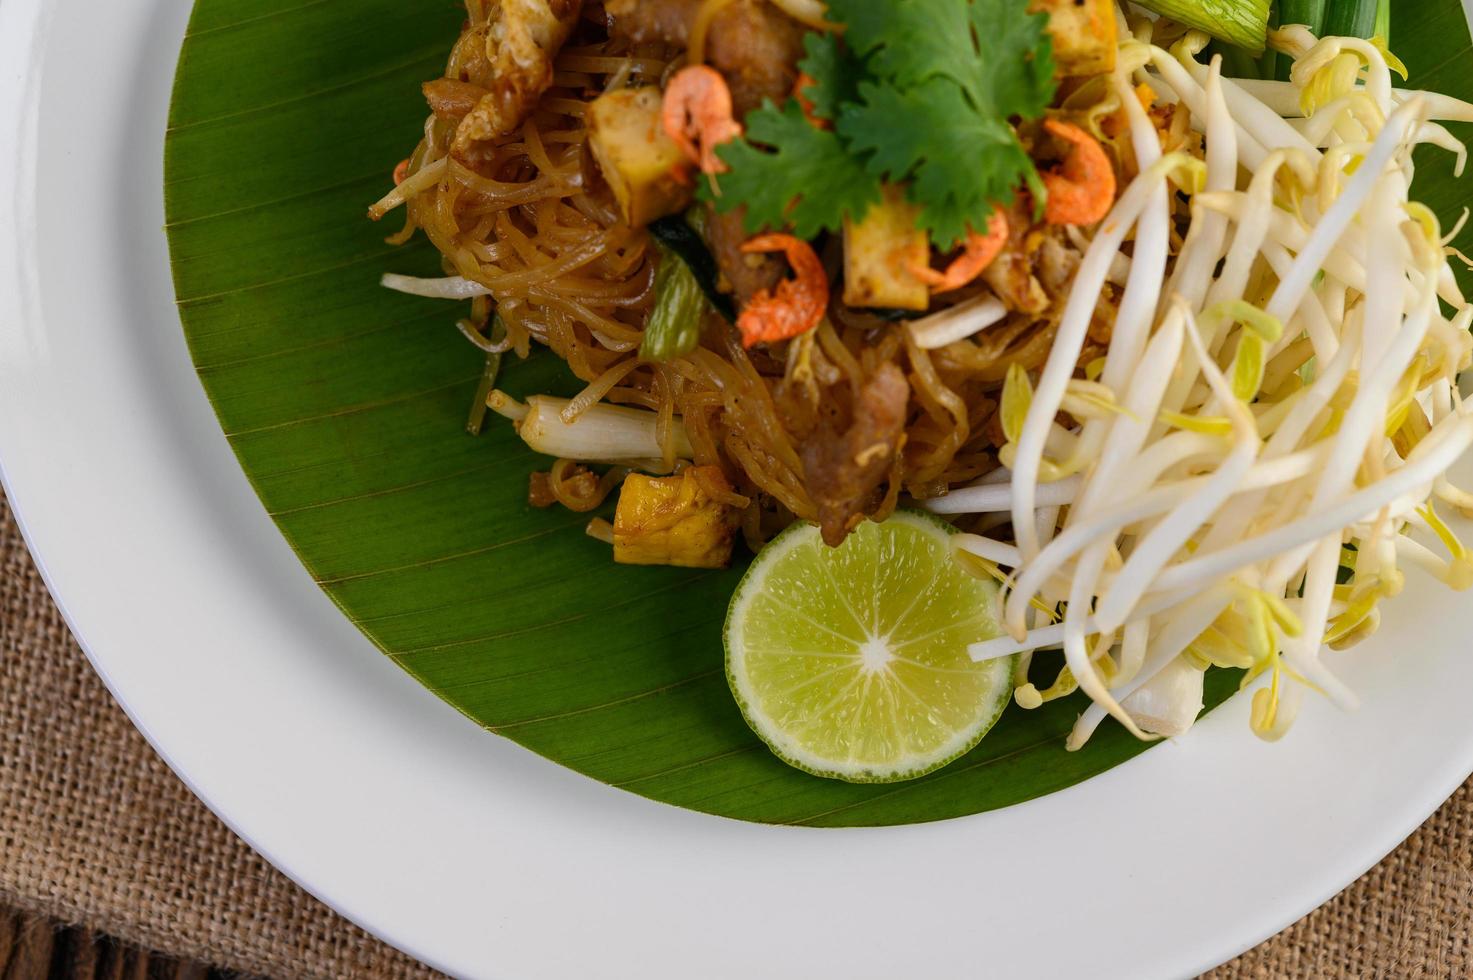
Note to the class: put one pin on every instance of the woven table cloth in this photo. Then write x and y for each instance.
(96, 831)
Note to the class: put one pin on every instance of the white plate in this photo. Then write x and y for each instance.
(474, 854)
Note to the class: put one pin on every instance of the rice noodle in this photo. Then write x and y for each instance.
(695, 52)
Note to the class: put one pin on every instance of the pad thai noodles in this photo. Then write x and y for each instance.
(1176, 352)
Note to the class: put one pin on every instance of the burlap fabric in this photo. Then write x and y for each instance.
(96, 831)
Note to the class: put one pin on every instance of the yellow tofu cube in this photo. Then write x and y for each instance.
(1083, 32)
(639, 160)
(675, 520)
(879, 253)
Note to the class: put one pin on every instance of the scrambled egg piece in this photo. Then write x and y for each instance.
(675, 520)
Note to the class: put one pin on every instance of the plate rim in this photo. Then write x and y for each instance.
(25, 31)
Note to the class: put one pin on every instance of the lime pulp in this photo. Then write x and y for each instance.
(852, 663)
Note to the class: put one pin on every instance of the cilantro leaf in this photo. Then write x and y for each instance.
(836, 74)
(998, 52)
(921, 93)
(958, 163)
(809, 179)
(908, 41)
(1014, 75)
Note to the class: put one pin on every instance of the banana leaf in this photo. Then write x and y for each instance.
(345, 404)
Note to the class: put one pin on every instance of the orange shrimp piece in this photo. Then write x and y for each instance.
(401, 172)
(977, 254)
(1083, 189)
(697, 115)
(798, 305)
(810, 111)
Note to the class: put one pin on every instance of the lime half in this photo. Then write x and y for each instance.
(851, 662)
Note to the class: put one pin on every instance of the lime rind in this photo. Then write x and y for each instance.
(887, 619)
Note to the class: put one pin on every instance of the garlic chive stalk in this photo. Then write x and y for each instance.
(601, 434)
(1280, 414)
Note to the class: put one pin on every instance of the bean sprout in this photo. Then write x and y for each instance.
(1270, 432)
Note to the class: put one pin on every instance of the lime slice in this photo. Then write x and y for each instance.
(852, 663)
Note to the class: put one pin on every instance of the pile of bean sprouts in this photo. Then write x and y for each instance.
(1264, 447)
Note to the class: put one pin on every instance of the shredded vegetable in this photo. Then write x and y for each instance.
(1286, 399)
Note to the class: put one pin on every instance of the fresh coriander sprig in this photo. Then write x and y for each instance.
(920, 93)
(808, 179)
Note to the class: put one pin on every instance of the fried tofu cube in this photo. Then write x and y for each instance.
(881, 250)
(642, 164)
(1084, 34)
(675, 520)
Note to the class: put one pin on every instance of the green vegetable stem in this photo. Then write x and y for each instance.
(682, 234)
(1310, 13)
(1383, 21)
(1240, 22)
(674, 326)
(1350, 18)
